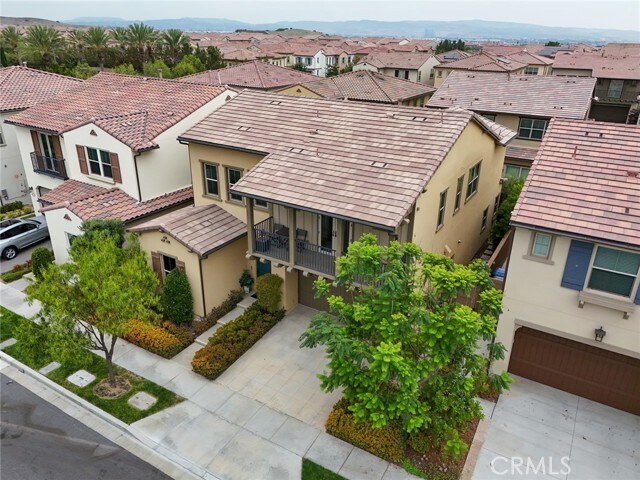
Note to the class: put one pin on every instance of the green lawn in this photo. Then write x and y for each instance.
(313, 471)
(96, 365)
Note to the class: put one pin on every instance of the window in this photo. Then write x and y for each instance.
(406, 74)
(2, 142)
(485, 215)
(474, 177)
(489, 116)
(298, 59)
(531, 70)
(422, 101)
(99, 162)
(343, 60)
(70, 238)
(309, 60)
(441, 209)
(397, 73)
(541, 245)
(261, 204)
(615, 88)
(431, 74)
(439, 73)
(168, 264)
(532, 128)
(516, 171)
(211, 180)
(458, 194)
(614, 271)
(233, 175)
(419, 75)
(496, 204)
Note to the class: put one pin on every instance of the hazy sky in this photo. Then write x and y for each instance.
(624, 15)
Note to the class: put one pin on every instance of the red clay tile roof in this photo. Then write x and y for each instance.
(111, 202)
(255, 74)
(405, 60)
(484, 62)
(585, 181)
(521, 153)
(358, 161)
(202, 229)
(71, 191)
(536, 95)
(368, 86)
(623, 68)
(530, 58)
(22, 87)
(133, 109)
(452, 55)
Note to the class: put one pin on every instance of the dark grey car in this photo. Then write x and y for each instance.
(18, 234)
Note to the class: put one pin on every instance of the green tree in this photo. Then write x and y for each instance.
(176, 302)
(125, 69)
(87, 302)
(509, 195)
(156, 68)
(211, 57)
(92, 228)
(142, 38)
(348, 68)
(189, 65)
(552, 44)
(83, 70)
(43, 44)
(447, 45)
(97, 41)
(41, 258)
(399, 344)
(11, 42)
(299, 66)
(174, 42)
(332, 71)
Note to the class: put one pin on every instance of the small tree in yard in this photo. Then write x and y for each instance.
(41, 258)
(511, 190)
(401, 346)
(177, 302)
(87, 302)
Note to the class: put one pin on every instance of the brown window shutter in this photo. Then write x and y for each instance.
(155, 264)
(180, 266)
(82, 160)
(36, 142)
(57, 149)
(115, 167)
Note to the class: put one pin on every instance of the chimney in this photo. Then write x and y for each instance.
(160, 73)
(24, 63)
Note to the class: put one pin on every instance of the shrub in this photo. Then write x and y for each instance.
(153, 338)
(386, 442)
(153, 69)
(184, 334)
(41, 258)
(232, 300)
(268, 292)
(176, 301)
(510, 192)
(11, 206)
(125, 69)
(246, 280)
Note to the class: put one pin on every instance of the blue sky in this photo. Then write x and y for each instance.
(624, 15)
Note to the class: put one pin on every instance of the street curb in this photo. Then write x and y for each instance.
(153, 449)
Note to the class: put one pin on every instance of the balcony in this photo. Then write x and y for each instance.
(269, 242)
(624, 96)
(53, 167)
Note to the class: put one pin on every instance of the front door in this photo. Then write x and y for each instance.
(326, 232)
(263, 267)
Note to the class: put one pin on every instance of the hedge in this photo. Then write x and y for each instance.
(232, 300)
(232, 340)
(153, 338)
(268, 292)
(386, 442)
(41, 258)
(176, 300)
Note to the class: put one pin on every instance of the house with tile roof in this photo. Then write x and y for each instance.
(480, 62)
(523, 103)
(21, 88)
(571, 308)
(364, 86)
(414, 66)
(108, 146)
(308, 176)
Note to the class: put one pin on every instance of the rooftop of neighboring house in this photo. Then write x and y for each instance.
(202, 229)
(452, 55)
(89, 201)
(133, 109)
(621, 68)
(510, 49)
(255, 74)
(530, 58)
(357, 161)
(484, 62)
(22, 87)
(621, 49)
(535, 95)
(403, 60)
(367, 86)
(585, 181)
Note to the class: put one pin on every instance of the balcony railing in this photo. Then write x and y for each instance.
(269, 242)
(53, 167)
(316, 258)
(604, 94)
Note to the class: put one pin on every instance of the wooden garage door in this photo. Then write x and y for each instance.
(600, 375)
(306, 293)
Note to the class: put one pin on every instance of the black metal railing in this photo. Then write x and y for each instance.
(53, 167)
(316, 258)
(270, 243)
(603, 93)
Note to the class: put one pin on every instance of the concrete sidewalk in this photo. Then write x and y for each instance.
(221, 433)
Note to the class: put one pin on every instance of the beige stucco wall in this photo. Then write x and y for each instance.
(533, 297)
(512, 122)
(61, 222)
(299, 91)
(461, 231)
(571, 72)
(365, 66)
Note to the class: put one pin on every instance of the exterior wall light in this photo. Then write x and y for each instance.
(600, 333)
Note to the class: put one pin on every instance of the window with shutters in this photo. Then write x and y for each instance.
(99, 162)
(614, 271)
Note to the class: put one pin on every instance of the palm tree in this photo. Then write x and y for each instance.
(10, 41)
(97, 39)
(43, 42)
(174, 41)
(119, 35)
(142, 37)
(75, 42)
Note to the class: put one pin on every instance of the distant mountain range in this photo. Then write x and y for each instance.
(466, 29)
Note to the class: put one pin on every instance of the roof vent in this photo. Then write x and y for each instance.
(378, 164)
(244, 128)
(632, 174)
(296, 150)
(275, 102)
(419, 119)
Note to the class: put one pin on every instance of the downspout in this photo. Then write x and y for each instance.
(135, 165)
(204, 300)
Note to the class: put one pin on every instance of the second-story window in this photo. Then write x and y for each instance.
(211, 186)
(485, 215)
(2, 141)
(458, 201)
(615, 88)
(614, 271)
(442, 209)
(99, 162)
(489, 116)
(541, 245)
(531, 70)
(233, 176)
(532, 128)
(474, 179)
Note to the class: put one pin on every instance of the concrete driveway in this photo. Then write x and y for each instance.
(548, 429)
(23, 256)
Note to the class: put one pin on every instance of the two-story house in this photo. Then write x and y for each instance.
(111, 137)
(523, 103)
(312, 57)
(480, 62)
(414, 66)
(21, 88)
(572, 293)
(308, 176)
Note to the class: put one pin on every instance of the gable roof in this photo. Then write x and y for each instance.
(367, 86)
(535, 95)
(255, 74)
(623, 68)
(529, 58)
(451, 55)
(585, 181)
(353, 160)
(404, 60)
(22, 87)
(202, 229)
(484, 62)
(133, 109)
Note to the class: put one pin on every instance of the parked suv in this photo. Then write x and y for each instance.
(18, 234)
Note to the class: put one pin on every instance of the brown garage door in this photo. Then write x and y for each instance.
(590, 372)
(306, 293)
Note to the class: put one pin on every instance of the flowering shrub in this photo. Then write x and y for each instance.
(153, 338)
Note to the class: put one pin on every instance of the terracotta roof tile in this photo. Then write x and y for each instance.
(406, 60)
(521, 153)
(624, 67)
(585, 181)
(22, 87)
(70, 191)
(484, 62)
(202, 229)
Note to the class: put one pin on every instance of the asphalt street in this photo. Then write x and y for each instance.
(40, 442)
(23, 256)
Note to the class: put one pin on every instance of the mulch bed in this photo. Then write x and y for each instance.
(105, 390)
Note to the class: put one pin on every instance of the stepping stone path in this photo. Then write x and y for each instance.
(142, 401)
(81, 378)
(7, 343)
(47, 369)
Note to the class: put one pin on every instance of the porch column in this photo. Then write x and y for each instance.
(291, 221)
(250, 223)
